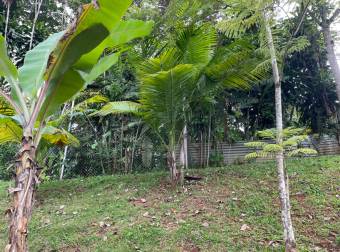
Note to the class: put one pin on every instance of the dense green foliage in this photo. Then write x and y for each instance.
(217, 114)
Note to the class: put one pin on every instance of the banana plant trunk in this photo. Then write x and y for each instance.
(23, 196)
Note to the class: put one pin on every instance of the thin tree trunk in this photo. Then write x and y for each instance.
(283, 184)
(172, 166)
(185, 146)
(332, 57)
(7, 20)
(201, 148)
(66, 147)
(171, 159)
(183, 154)
(209, 136)
(23, 196)
(37, 5)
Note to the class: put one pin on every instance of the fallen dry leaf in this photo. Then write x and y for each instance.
(245, 227)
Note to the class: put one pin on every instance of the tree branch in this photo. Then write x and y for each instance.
(301, 20)
(334, 16)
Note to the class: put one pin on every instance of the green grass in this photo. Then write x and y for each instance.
(105, 213)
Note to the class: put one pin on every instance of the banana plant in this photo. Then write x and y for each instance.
(53, 73)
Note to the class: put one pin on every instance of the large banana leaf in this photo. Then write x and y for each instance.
(122, 33)
(75, 50)
(103, 65)
(7, 68)
(32, 72)
(10, 131)
(59, 137)
(62, 81)
(119, 107)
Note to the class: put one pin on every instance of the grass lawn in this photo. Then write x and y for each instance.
(235, 208)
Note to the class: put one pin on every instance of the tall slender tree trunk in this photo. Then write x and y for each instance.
(172, 166)
(7, 20)
(331, 56)
(66, 147)
(209, 138)
(183, 154)
(23, 196)
(185, 146)
(37, 5)
(283, 182)
(171, 159)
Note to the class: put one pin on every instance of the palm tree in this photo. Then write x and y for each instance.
(176, 80)
(259, 14)
(53, 72)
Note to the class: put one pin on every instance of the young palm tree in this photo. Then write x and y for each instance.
(53, 72)
(171, 83)
(245, 15)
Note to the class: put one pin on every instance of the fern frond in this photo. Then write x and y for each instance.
(302, 152)
(272, 148)
(255, 144)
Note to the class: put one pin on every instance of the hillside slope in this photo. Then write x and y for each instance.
(234, 208)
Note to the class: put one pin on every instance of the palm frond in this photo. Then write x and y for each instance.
(163, 93)
(196, 45)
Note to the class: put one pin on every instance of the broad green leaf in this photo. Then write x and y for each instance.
(63, 82)
(119, 107)
(63, 90)
(110, 13)
(103, 65)
(59, 137)
(121, 33)
(126, 31)
(32, 72)
(10, 131)
(7, 68)
(92, 100)
(5, 108)
(84, 37)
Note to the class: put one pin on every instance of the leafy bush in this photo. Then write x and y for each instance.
(291, 145)
(7, 156)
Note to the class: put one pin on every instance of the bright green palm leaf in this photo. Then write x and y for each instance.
(32, 72)
(7, 68)
(197, 45)
(10, 131)
(118, 107)
(162, 95)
